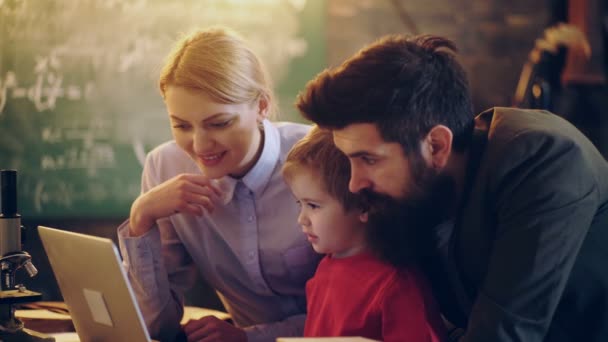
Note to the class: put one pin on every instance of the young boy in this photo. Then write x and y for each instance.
(353, 293)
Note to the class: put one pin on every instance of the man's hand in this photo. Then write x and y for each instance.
(213, 329)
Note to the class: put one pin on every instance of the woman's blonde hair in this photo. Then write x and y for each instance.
(218, 62)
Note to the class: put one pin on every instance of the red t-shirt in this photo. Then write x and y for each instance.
(364, 296)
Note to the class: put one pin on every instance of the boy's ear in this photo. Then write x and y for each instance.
(363, 216)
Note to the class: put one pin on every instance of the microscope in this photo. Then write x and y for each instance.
(13, 258)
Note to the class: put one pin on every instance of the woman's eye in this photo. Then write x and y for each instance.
(180, 126)
(221, 124)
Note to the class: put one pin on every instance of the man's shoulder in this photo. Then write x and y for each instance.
(522, 133)
(508, 121)
(535, 143)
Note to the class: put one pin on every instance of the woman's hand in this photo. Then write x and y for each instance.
(185, 193)
(213, 329)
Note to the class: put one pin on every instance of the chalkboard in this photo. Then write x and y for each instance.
(79, 105)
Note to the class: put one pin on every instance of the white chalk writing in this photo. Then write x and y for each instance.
(44, 92)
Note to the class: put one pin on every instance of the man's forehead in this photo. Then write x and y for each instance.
(359, 134)
(357, 131)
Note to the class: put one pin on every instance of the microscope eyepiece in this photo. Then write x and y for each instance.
(8, 197)
(10, 220)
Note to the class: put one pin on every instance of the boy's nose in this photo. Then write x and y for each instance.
(302, 220)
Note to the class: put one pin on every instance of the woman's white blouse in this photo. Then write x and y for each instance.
(250, 249)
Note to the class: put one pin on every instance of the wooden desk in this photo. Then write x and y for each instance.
(54, 319)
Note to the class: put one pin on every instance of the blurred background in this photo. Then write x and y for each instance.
(79, 107)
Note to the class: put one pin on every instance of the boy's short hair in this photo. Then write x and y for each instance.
(316, 152)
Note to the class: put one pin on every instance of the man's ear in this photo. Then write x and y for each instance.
(437, 146)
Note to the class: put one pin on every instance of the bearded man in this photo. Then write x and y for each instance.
(507, 211)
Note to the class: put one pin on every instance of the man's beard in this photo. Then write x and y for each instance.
(401, 230)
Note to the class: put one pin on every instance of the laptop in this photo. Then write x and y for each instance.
(94, 286)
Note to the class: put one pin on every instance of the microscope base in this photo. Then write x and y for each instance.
(25, 335)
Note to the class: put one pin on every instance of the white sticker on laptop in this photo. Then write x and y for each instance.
(98, 307)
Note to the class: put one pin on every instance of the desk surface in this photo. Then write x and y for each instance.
(66, 337)
(58, 323)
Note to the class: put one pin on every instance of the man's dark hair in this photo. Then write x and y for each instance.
(404, 85)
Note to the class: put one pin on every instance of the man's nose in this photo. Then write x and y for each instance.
(358, 181)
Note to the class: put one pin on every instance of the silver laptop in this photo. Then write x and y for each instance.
(94, 286)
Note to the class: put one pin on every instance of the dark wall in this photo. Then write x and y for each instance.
(493, 36)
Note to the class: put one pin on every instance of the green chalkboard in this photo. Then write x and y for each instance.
(79, 107)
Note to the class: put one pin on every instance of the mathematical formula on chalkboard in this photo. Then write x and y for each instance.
(79, 105)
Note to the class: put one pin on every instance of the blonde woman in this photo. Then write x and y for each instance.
(213, 201)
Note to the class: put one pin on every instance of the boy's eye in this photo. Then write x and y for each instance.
(308, 204)
(312, 205)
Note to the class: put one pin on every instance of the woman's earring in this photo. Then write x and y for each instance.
(261, 117)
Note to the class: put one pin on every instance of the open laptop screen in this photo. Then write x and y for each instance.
(94, 286)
